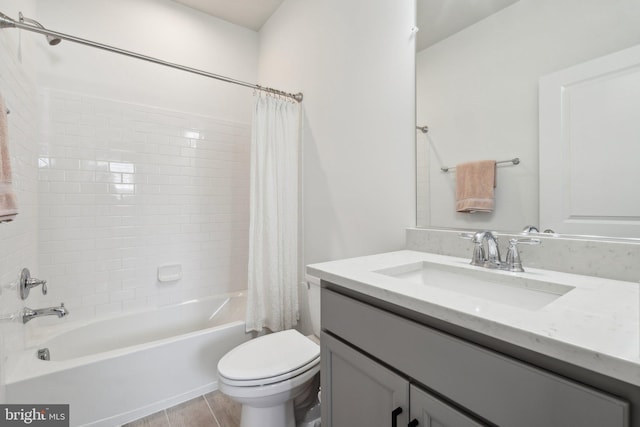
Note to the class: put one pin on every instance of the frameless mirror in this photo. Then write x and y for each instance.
(478, 77)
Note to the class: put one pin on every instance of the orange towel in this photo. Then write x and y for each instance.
(475, 182)
(8, 205)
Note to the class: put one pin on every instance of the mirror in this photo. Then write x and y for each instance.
(478, 93)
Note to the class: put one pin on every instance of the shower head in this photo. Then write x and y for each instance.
(50, 39)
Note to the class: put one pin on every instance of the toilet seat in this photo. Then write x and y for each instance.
(269, 359)
(270, 380)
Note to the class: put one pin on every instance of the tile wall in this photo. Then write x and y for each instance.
(124, 189)
(18, 239)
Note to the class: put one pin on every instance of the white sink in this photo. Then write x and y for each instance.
(506, 288)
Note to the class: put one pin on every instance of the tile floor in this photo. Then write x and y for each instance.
(211, 410)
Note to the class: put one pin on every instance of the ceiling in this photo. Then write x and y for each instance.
(246, 13)
(437, 19)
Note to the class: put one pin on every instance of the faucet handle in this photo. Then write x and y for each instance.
(27, 282)
(36, 282)
(513, 262)
(478, 257)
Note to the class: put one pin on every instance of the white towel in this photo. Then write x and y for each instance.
(8, 205)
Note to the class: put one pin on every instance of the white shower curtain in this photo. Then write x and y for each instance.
(272, 300)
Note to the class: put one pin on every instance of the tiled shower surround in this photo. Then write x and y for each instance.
(18, 239)
(124, 189)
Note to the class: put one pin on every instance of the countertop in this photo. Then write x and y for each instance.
(596, 325)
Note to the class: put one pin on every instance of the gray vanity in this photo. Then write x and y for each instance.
(400, 351)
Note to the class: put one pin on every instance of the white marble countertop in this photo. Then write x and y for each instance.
(596, 325)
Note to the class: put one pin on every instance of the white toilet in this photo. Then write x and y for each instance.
(267, 373)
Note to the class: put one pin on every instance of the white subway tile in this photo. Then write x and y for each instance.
(108, 309)
(122, 188)
(123, 295)
(134, 305)
(95, 299)
(122, 167)
(108, 177)
(140, 186)
(94, 188)
(79, 176)
(62, 163)
(45, 175)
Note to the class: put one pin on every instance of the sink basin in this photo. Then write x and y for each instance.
(497, 286)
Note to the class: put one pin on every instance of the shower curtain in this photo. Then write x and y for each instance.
(272, 300)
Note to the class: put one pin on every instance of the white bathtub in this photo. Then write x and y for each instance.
(116, 370)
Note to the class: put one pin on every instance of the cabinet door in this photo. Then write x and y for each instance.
(432, 412)
(356, 391)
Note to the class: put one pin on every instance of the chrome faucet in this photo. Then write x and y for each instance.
(29, 313)
(491, 257)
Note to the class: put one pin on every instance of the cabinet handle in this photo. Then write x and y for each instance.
(394, 416)
(413, 423)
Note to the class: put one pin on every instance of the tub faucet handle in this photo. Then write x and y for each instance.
(37, 282)
(27, 282)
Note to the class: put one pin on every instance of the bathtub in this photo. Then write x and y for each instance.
(117, 370)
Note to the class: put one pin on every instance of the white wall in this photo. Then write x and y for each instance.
(478, 92)
(18, 239)
(159, 28)
(354, 62)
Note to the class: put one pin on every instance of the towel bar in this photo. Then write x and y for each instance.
(515, 161)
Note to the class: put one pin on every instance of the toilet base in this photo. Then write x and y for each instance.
(273, 416)
(273, 405)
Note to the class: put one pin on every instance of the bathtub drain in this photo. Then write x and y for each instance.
(43, 354)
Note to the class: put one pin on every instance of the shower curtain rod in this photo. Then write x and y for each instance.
(7, 22)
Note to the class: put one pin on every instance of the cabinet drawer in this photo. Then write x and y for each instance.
(500, 389)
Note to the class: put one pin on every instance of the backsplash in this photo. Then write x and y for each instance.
(126, 188)
(609, 258)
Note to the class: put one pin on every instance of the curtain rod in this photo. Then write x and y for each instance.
(7, 22)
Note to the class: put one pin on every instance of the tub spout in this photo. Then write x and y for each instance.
(29, 313)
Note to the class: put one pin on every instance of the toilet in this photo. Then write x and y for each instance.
(265, 375)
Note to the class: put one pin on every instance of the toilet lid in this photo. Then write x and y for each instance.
(269, 356)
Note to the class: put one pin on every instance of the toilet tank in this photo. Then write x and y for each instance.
(313, 295)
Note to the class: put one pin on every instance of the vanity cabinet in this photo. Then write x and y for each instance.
(365, 393)
(374, 361)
